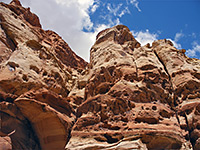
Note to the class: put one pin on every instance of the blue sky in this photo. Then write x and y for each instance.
(79, 21)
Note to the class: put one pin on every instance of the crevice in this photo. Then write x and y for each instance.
(177, 117)
(170, 81)
(110, 139)
(171, 85)
(174, 97)
(189, 130)
(4, 42)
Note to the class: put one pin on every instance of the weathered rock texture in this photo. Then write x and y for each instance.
(128, 97)
(137, 97)
(37, 71)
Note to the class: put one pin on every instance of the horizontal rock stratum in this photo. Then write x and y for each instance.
(128, 97)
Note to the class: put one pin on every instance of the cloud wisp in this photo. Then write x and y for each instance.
(178, 36)
(136, 4)
(145, 37)
(194, 51)
(176, 40)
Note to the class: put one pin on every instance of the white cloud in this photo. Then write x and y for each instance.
(124, 11)
(193, 35)
(94, 8)
(117, 10)
(176, 39)
(178, 36)
(112, 16)
(136, 4)
(113, 12)
(195, 49)
(114, 9)
(145, 37)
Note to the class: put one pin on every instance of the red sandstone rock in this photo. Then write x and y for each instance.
(128, 97)
(16, 131)
(34, 78)
(50, 116)
(61, 50)
(16, 2)
(32, 58)
(5, 143)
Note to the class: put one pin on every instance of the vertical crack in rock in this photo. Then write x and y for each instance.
(189, 130)
(171, 83)
(183, 73)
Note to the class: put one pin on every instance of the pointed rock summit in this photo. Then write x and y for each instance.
(16, 2)
(128, 97)
(118, 40)
(120, 34)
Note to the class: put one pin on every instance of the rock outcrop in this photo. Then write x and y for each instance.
(137, 97)
(37, 71)
(128, 97)
(32, 58)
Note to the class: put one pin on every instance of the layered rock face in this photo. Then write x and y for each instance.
(137, 97)
(128, 97)
(37, 71)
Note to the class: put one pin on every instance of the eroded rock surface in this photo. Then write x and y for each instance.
(128, 97)
(32, 58)
(37, 72)
(16, 131)
(131, 94)
(50, 115)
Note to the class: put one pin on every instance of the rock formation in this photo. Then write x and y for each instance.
(128, 97)
(37, 71)
(137, 97)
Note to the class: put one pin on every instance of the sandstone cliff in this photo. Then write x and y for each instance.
(128, 97)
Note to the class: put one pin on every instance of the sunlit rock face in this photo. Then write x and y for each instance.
(37, 71)
(32, 58)
(136, 97)
(128, 97)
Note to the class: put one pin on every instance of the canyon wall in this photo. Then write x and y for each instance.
(128, 97)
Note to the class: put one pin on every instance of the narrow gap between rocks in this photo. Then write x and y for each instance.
(171, 84)
(174, 97)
